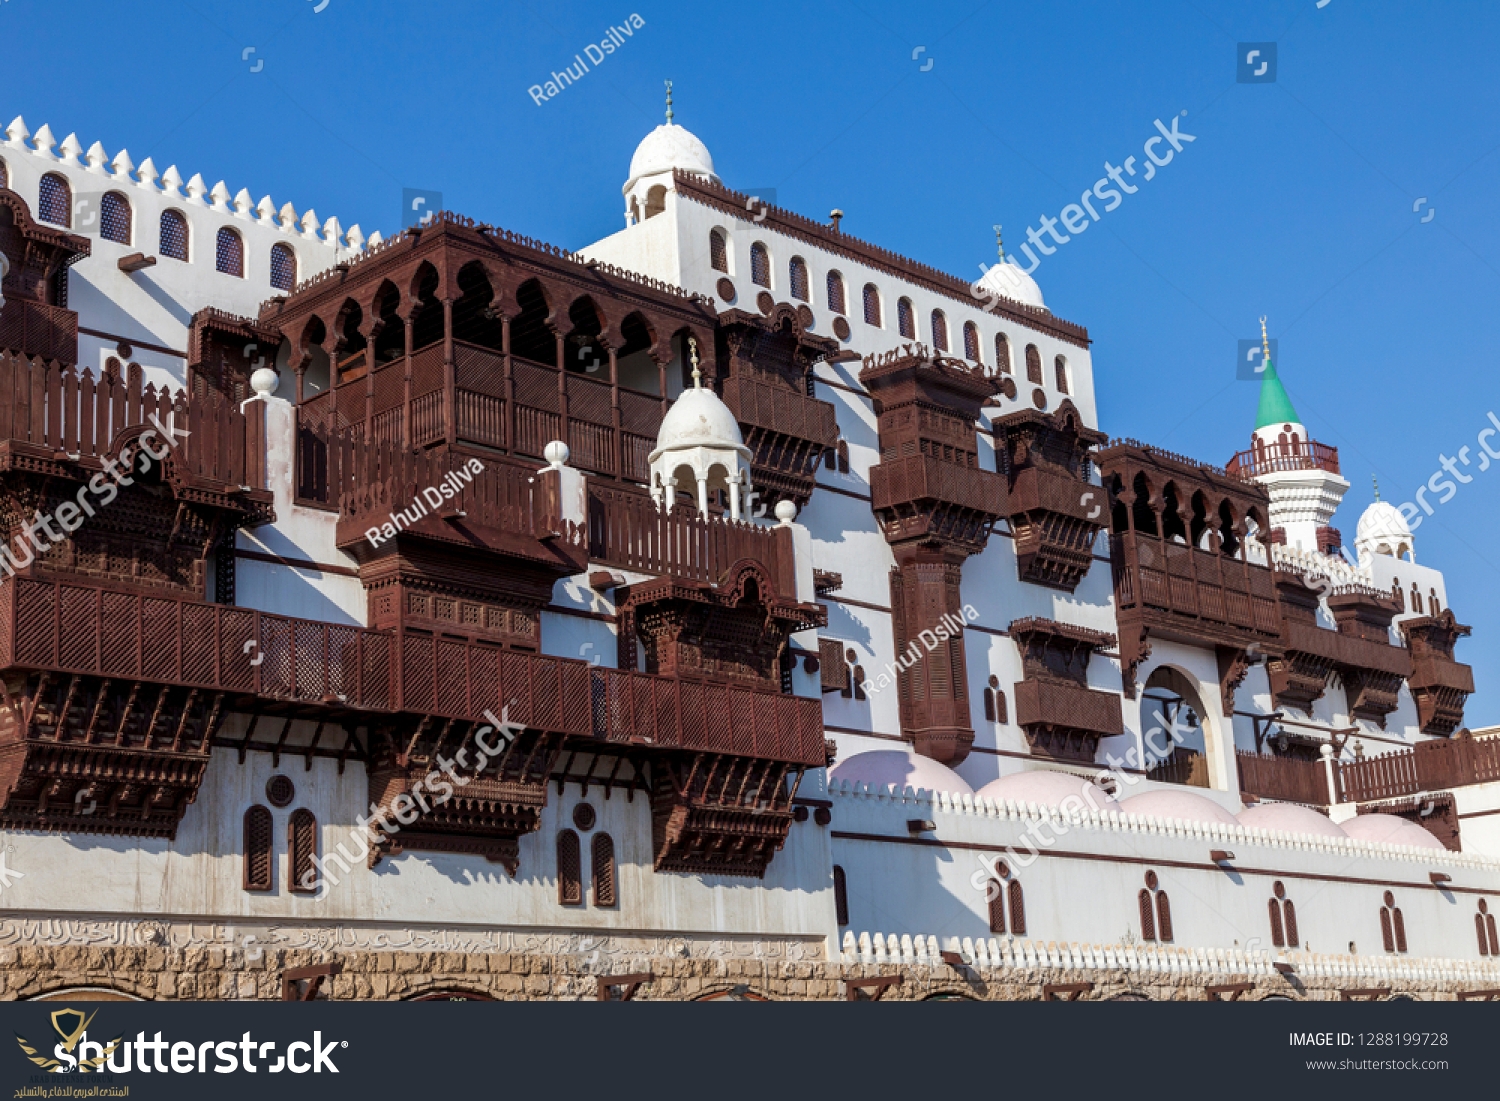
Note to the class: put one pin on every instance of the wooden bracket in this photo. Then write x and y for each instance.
(877, 987)
(1065, 991)
(627, 985)
(291, 991)
(1371, 994)
(1228, 992)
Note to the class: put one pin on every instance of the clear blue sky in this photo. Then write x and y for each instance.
(1296, 199)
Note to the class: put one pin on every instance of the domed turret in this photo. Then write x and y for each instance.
(1383, 530)
(666, 148)
(1007, 280)
(699, 443)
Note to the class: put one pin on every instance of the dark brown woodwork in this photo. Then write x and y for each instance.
(1439, 684)
(1436, 813)
(713, 814)
(935, 507)
(769, 361)
(33, 321)
(1062, 717)
(1288, 779)
(302, 851)
(1428, 766)
(313, 976)
(605, 874)
(1054, 513)
(1178, 530)
(258, 852)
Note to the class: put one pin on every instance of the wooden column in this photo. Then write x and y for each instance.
(510, 387)
(369, 390)
(406, 427)
(614, 413)
(562, 387)
(450, 388)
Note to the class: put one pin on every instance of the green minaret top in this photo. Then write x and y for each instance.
(1275, 406)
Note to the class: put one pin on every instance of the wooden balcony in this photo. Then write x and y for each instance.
(1439, 684)
(1193, 595)
(47, 332)
(926, 499)
(1306, 455)
(1065, 721)
(777, 409)
(1288, 779)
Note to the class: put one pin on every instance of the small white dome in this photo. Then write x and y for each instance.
(1389, 829)
(1183, 806)
(903, 768)
(1048, 788)
(1009, 281)
(667, 147)
(1382, 520)
(699, 419)
(1289, 818)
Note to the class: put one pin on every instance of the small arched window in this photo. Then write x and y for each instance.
(836, 292)
(55, 201)
(1017, 909)
(1156, 911)
(1392, 926)
(995, 892)
(995, 708)
(283, 267)
(837, 457)
(1148, 915)
(1163, 917)
(872, 305)
(173, 243)
(259, 873)
(1002, 353)
(939, 331)
(718, 251)
(114, 218)
(1398, 595)
(1433, 607)
(906, 320)
(656, 200)
(840, 896)
(605, 891)
(760, 265)
(1416, 598)
(569, 870)
(1033, 364)
(1484, 925)
(1060, 368)
(229, 253)
(971, 343)
(1283, 918)
(797, 279)
(302, 851)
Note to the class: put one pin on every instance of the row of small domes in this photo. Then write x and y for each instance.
(1048, 788)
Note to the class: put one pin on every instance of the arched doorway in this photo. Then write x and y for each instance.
(1176, 738)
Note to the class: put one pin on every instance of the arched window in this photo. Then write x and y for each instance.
(995, 892)
(843, 456)
(229, 253)
(859, 682)
(656, 200)
(1017, 909)
(1392, 926)
(906, 320)
(1416, 598)
(1156, 911)
(939, 331)
(1033, 364)
(971, 342)
(1484, 925)
(605, 893)
(1163, 917)
(1148, 915)
(836, 292)
(995, 709)
(283, 267)
(1433, 607)
(55, 202)
(302, 850)
(173, 243)
(259, 872)
(569, 870)
(797, 279)
(872, 305)
(840, 896)
(718, 251)
(1398, 595)
(1283, 918)
(1060, 368)
(114, 218)
(1002, 353)
(760, 265)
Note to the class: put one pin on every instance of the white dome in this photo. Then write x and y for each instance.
(1289, 818)
(1009, 281)
(1048, 788)
(699, 419)
(1382, 520)
(1388, 829)
(903, 768)
(667, 147)
(1182, 806)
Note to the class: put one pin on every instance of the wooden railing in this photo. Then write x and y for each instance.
(1428, 766)
(1306, 455)
(1071, 706)
(55, 412)
(1286, 778)
(777, 409)
(1214, 589)
(47, 332)
(923, 478)
(93, 630)
(1182, 766)
(628, 530)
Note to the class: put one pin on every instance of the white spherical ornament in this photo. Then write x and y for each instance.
(556, 453)
(264, 382)
(786, 511)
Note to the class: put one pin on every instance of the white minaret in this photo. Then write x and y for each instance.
(1302, 474)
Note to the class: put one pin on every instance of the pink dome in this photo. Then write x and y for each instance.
(883, 767)
(1388, 829)
(1183, 806)
(1289, 818)
(1047, 788)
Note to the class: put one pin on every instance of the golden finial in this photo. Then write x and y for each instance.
(693, 357)
(999, 244)
(669, 103)
(1265, 341)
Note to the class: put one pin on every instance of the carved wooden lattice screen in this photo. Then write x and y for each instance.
(604, 871)
(302, 848)
(569, 870)
(258, 852)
